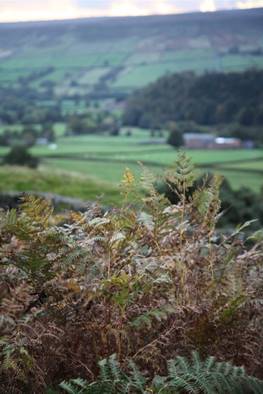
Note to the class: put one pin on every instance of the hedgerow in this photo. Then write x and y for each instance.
(148, 282)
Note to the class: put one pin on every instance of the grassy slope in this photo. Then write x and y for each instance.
(139, 49)
(59, 182)
(112, 172)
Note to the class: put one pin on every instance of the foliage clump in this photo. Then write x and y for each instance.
(217, 98)
(175, 138)
(19, 156)
(147, 284)
(239, 206)
(196, 376)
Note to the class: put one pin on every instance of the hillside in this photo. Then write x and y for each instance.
(116, 55)
(213, 99)
(19, 179)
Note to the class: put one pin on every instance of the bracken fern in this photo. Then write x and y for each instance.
(146, 282)
(195, 377)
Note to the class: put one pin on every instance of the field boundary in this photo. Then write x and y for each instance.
(217, 165)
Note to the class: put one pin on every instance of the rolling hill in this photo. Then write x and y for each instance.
(110, 56)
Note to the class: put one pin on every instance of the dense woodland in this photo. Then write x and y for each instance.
(213, 99)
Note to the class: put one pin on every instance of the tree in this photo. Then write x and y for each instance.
(246, 116)
(29, 136)
(175, 138)
(206, 99)
(48, 132)
(20, 156)
(115, 132)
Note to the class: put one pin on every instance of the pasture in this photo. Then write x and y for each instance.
(21, 179)
(120, 56)
(104, 158)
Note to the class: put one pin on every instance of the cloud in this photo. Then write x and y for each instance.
(25, 10)
(207, 6)
(244, 4)
(142, 7)
(19, 10)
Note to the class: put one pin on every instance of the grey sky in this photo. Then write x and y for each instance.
(18, 10)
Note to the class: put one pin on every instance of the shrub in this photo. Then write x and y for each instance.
(146, 284)
(238, 206)
(19, 156)
(175, 138)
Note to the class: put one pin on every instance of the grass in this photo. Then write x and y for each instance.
(59, 129)
(102, 159)
(59, 182)
(108, 172)
(139, 75)
(92, 76)
(85, 51)
(14, 127)
(112, 172)
(237, 180)
(241, 62)
(168, 155)
(96, 144)
(253, 165)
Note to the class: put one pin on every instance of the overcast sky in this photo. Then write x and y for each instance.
(24, 10)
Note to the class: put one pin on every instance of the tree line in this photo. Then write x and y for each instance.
(233, 99)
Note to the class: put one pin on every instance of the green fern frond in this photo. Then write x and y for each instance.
(210, 377)
(147, 318)
(114, 367)
(184, 376)
(70, 387)
(137, 378)
(182, 174)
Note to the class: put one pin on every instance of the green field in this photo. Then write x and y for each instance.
(125, 56)
(256, 165)
(104, 158)
(59, 182)
(93, 165)
(107, 59)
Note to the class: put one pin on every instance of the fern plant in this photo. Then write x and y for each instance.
(142, 282)
(112, 379)
(209, 376)
(184, 376)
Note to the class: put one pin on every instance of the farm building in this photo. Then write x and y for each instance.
(199, 141)
(224, 143)
(208, 141)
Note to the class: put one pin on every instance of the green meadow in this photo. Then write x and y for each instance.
(104, 158)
